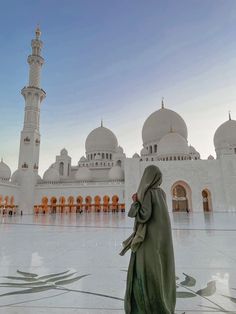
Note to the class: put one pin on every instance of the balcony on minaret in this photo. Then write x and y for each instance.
(25, 166)
(26, 140)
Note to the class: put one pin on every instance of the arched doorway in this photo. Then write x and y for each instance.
(88, 203)
(97, 203)
(114, 205)
(44, 204)
(79, 204)
(61, 168)
(53, 201)
(106, 200)
(206, 200)
(181, 197)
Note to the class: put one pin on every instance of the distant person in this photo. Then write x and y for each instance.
(151, 286)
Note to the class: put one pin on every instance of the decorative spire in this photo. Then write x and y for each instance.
(37, 32)
(101, 122)
(229, 115)
(162, 103)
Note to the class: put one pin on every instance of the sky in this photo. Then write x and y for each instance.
(115, 60)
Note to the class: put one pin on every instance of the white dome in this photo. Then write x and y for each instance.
(192, 150)
(5, 171)
(15, 178)
(82, 159)
(119, 150)
(64, 152)
(159, 123)
(172, 144)
(116, 173)
(225, 135)
(136, 155)
(51, 175)
(83, 174)
(101, 139)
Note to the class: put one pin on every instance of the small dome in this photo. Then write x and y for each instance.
(83, 174)
(144, 152)
(159, 123)
(119, 150)
(51, 175)
(64, 152)
(225, 135)
(15, 178)
(83, 159)
(136, 155)
(210, 157)
(192, 150)
(116, 173)
(101, 139)
(5, 171)
(172, 144)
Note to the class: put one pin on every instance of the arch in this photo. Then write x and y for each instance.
(61, 168)
(79, 204)
(155, 148)
(44, 205)
(88, 203)
(206, 200)
(71, 200)
(118, 163)
(44, 200)
(53, 204)
(181, 197)
(114, 205)
(106, 200)
(97, 202)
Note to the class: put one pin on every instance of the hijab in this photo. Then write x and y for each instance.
(152, 178)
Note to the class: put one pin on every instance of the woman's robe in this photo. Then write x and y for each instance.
(151, 286)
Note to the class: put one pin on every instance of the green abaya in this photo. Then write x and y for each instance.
(151, 287)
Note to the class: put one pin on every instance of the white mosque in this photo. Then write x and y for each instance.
(104, 178)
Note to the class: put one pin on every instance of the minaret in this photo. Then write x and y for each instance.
(30, 136)
(33, 95)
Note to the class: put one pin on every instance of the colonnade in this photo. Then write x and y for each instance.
(7, 205)
(79, 204)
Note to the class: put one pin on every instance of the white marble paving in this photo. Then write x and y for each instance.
(89, 244)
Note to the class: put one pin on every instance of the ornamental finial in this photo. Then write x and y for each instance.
(101, 122)
(162, 103)
(37, 32)
(229, 115)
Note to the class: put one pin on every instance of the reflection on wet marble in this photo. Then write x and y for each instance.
(65, 248)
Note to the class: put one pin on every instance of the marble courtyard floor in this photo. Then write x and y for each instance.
(70, 263)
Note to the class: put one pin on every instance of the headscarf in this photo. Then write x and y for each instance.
(152, 178)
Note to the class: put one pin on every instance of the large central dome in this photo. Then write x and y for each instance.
(101, 139)
(160, 122)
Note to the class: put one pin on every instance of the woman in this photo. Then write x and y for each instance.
(151, 287)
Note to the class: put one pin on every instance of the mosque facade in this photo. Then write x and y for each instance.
(104, 179)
